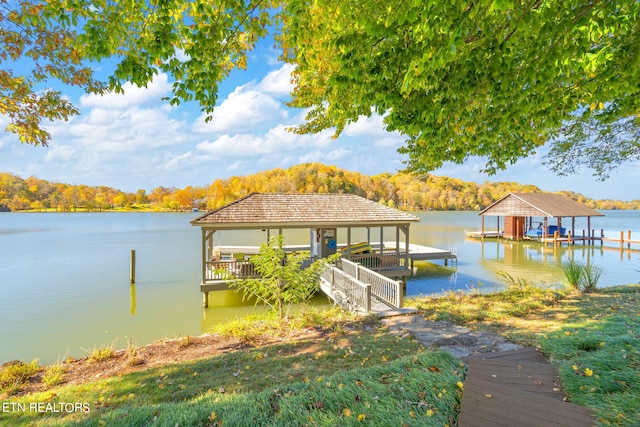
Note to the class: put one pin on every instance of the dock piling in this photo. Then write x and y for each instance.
(132, 268)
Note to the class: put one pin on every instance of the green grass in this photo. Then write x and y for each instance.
(308, 372)
(520, 299)
(593, 338)
(358, 374)
(598, 353)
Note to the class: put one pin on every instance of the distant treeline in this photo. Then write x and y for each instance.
(401, 190)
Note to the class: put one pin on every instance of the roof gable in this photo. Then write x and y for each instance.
(539, 204)
(301, 210)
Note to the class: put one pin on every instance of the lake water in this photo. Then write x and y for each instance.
(64, 277)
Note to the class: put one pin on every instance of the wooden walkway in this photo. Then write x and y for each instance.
(516, 388)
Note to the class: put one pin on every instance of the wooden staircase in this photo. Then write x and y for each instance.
(516, 388)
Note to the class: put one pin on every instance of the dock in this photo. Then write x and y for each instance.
(424, 253)
(483, 234)
(416, 252)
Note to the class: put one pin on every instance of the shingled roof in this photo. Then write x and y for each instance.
(302, 210)
(539, 204)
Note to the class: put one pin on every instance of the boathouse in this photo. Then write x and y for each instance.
(527, 216)
(336, 222)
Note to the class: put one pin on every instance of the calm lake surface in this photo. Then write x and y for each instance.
(64, 277)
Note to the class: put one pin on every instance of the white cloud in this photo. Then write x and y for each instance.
(58, 152)
(158, 88)
(234, 166)
(276, 141)
(278, 82)
(179, 161)
(241, 111)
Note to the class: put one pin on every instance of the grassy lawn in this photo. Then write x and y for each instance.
(358, 374)
(593, 338)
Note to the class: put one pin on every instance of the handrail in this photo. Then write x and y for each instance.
(345, 289)
(231, 269)
(386, 289)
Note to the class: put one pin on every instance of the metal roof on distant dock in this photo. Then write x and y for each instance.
(303, 210)
(539, 205)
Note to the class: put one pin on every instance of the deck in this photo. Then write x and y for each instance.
(424, 253)
(516, 388)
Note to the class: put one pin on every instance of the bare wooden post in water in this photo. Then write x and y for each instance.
(132, 269)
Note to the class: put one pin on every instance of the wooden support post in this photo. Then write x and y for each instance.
(555, 238)
(622, 239)
(629, 239)
(132, 267)
(205, 299)
(367, 302)
(569, 238)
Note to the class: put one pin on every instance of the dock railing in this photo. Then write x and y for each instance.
(345, 289)
(386, 260)
(229, 269)
(387, 290)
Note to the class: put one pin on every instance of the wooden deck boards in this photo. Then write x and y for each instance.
(516, 388)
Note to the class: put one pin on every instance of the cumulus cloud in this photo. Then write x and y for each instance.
(158, 88)
(278, 82)
(59, 152)
(275, 141)
(244, 109)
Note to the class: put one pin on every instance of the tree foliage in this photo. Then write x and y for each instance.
(496, 78)
(401, 190)
(283, 280)
(196, 42)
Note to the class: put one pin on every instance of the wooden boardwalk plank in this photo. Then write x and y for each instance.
(516, 388)
(488, 404)
(527, 354)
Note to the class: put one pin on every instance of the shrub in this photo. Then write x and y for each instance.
(590, 278)
(573, 271)
(100, 354)
(283, 280)
(53, 375)
(14, 374)
(582, 277)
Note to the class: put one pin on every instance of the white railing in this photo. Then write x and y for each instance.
(345, 290)
(229, 270)
(237, 269)
(379, 261)
(386, 289)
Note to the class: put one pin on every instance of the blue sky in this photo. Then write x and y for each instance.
(137, 141)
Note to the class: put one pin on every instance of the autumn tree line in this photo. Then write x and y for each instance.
(405, 191)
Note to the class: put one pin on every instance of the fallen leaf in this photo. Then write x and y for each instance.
(488, 396)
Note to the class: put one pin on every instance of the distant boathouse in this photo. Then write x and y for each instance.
(527, 217)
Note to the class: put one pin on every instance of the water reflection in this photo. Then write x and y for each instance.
(132, 295)
(482, 262)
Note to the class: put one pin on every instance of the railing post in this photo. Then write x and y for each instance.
(399, 296)
(367, 299)
(333, 278)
